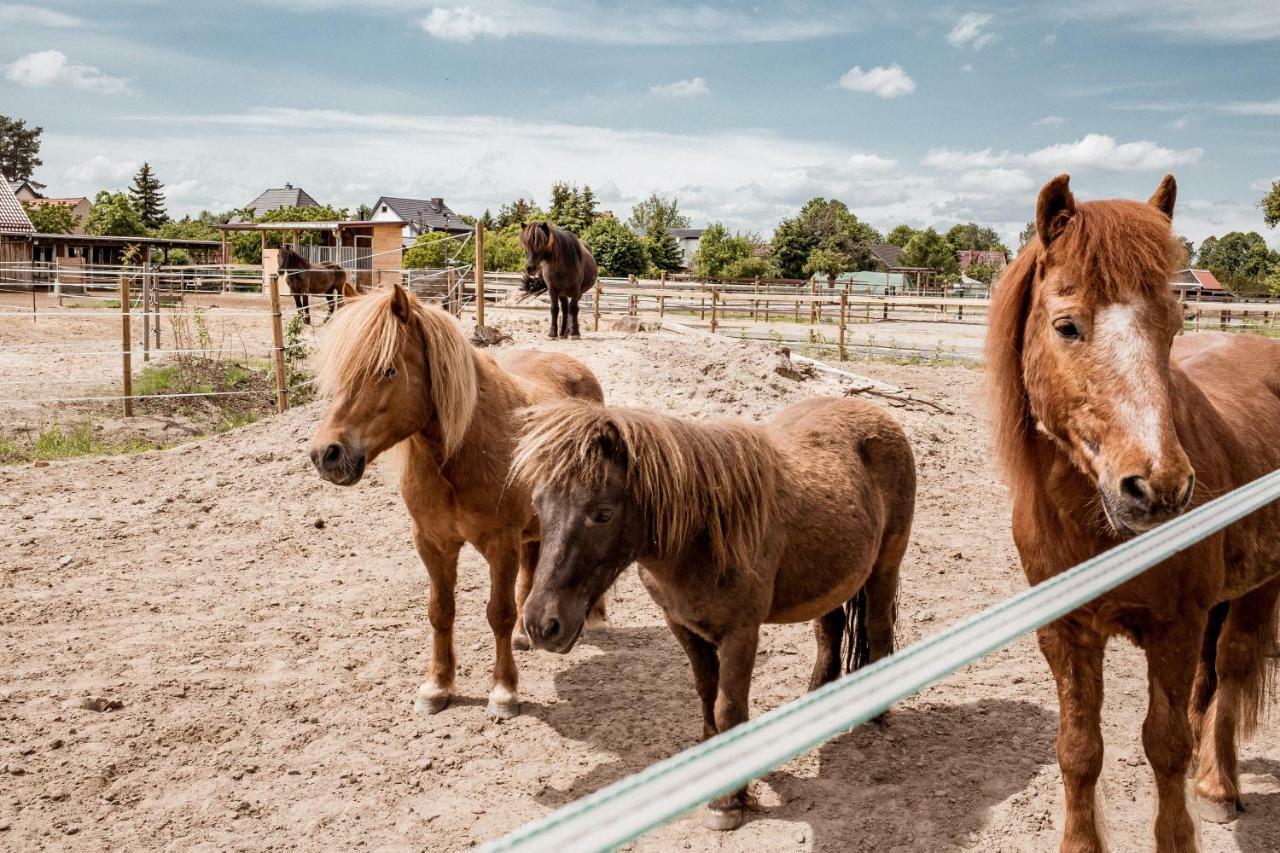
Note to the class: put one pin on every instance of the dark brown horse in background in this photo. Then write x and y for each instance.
(733, 524)
(1107, 425)
(557, 260)
(306, 279)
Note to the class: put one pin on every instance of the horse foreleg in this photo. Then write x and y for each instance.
(573, 313)
(1242, 658)
(1166, 731)
(1075, 655)
(503, 556)
(442, 567)
(529, 552)
(564, 316)
(298, 305)
(737, 653)
(305, 299)
(706, 672)
(332, 297)
(555, 316)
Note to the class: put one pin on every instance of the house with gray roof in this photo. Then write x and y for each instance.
(25, 189)
(419, 215)
(278, 197)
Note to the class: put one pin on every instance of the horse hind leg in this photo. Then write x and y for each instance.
(1206, 681)
(573, 314)
(564, 316)
(828, 631)
(555, 316)
(1243, 660)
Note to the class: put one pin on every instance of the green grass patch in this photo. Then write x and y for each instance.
(64, 441)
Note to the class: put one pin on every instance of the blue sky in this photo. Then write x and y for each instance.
(909, 112)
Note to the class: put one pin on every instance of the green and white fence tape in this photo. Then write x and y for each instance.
(632, 806)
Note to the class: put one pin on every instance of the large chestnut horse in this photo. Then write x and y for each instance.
(734, 524)
(401, 373)
(557, 260)
(1107, 426)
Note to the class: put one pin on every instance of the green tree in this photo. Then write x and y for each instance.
(790, 248)
(488, 221)
(202, 227)
(657, 214)
(502, 251)
(900, 235)
(519, 212)
(113, 215)
(1273, 281)
(571, 208)
(51, 218)
(430, 251)
(1026, 235)
(829, 263)
(975, 237)
(363, 212)
(1241, 261)
(719, 251)
(19, 148)
(1270, 205)
(617, 249)
(985, 273)
(930, 249)
(147, 197)
(663, 252)
(825, 224)
(752, 267)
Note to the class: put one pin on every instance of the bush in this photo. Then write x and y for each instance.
(617, 249)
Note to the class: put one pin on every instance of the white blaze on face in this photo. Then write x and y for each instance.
(1125, 349)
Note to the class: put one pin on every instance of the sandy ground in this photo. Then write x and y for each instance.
(263, 633)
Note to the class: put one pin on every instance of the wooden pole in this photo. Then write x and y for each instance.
(715, 299)
(277, 349)
(596, 308)
(452, 303)
(33, 300)
(126, 346)
(479, 270)
(755, 303)
(813, 306)
(662, 295)
(844, 313)
(146, 300)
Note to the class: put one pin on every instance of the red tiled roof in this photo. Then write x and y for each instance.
(1207, 280)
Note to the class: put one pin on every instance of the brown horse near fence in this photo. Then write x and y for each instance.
(733, 524)
(401, 373)
(306, 279)
(1107, 425)
(557, 260)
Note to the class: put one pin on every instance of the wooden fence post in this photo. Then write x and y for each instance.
(596, 307)
(146, 301)
(662, 295)
(815, 310)
(479, 272)
(844, 313)
(715, 299)
(755, 303)
(126, 346)
(277, 350)
(702, 300)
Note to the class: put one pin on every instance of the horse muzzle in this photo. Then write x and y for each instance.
(338, 463)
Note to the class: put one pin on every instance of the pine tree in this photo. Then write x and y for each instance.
(147, 197)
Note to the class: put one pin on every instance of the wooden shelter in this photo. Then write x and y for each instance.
(372, 251)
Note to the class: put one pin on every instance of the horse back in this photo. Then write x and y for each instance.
(549, 375)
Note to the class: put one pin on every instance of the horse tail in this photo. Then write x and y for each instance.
(1258, 630)
(856, 644)
(348, 289)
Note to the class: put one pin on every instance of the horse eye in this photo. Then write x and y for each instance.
(389, 373)
(602, 516)
(1067, 329)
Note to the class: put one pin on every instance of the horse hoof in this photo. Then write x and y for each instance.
(1216, 812)
(431, 699)
(723, 820)
(520, 642)
(504, 704)
(575, 337)
(553, 336)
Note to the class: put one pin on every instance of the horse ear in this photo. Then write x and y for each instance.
(611, 446)
(1165, 195)
(1054, 208)
(546, 228)
(400, 303)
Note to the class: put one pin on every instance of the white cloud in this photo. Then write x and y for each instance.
(461, 23)
(1049, 121)
(19, 14)
(691, 88)
(969, 32)
(52, 68)
(1049, 38)
(638, 24)
(887, 81)
(1225, 21)
(967, 68)
(1093, 151)
(100, 171)
(1251, 108)
(1182, 122)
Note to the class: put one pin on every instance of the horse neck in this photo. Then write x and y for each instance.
(496, 396)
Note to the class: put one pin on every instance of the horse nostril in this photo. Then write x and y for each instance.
(551, 629)
(332, 453)
(1137, 490)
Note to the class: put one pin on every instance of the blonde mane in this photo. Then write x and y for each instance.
(368, 336)
(717, 477)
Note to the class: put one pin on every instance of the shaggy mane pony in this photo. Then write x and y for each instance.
(1112, 249)
(369, 336)
(717, 477)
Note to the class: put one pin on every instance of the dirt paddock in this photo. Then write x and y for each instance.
(256, 637)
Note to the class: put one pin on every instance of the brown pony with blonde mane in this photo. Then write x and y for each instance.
(306, 279)
(1108, 425)
(733, 525)
(400, 373)
(559, 261)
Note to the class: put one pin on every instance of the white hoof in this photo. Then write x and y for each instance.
(503, 703)
(723, 820)
(431, 699)
(1216, 812)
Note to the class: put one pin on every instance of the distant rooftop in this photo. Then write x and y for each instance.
(12, 216)
(422, 214)
(286, 196)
